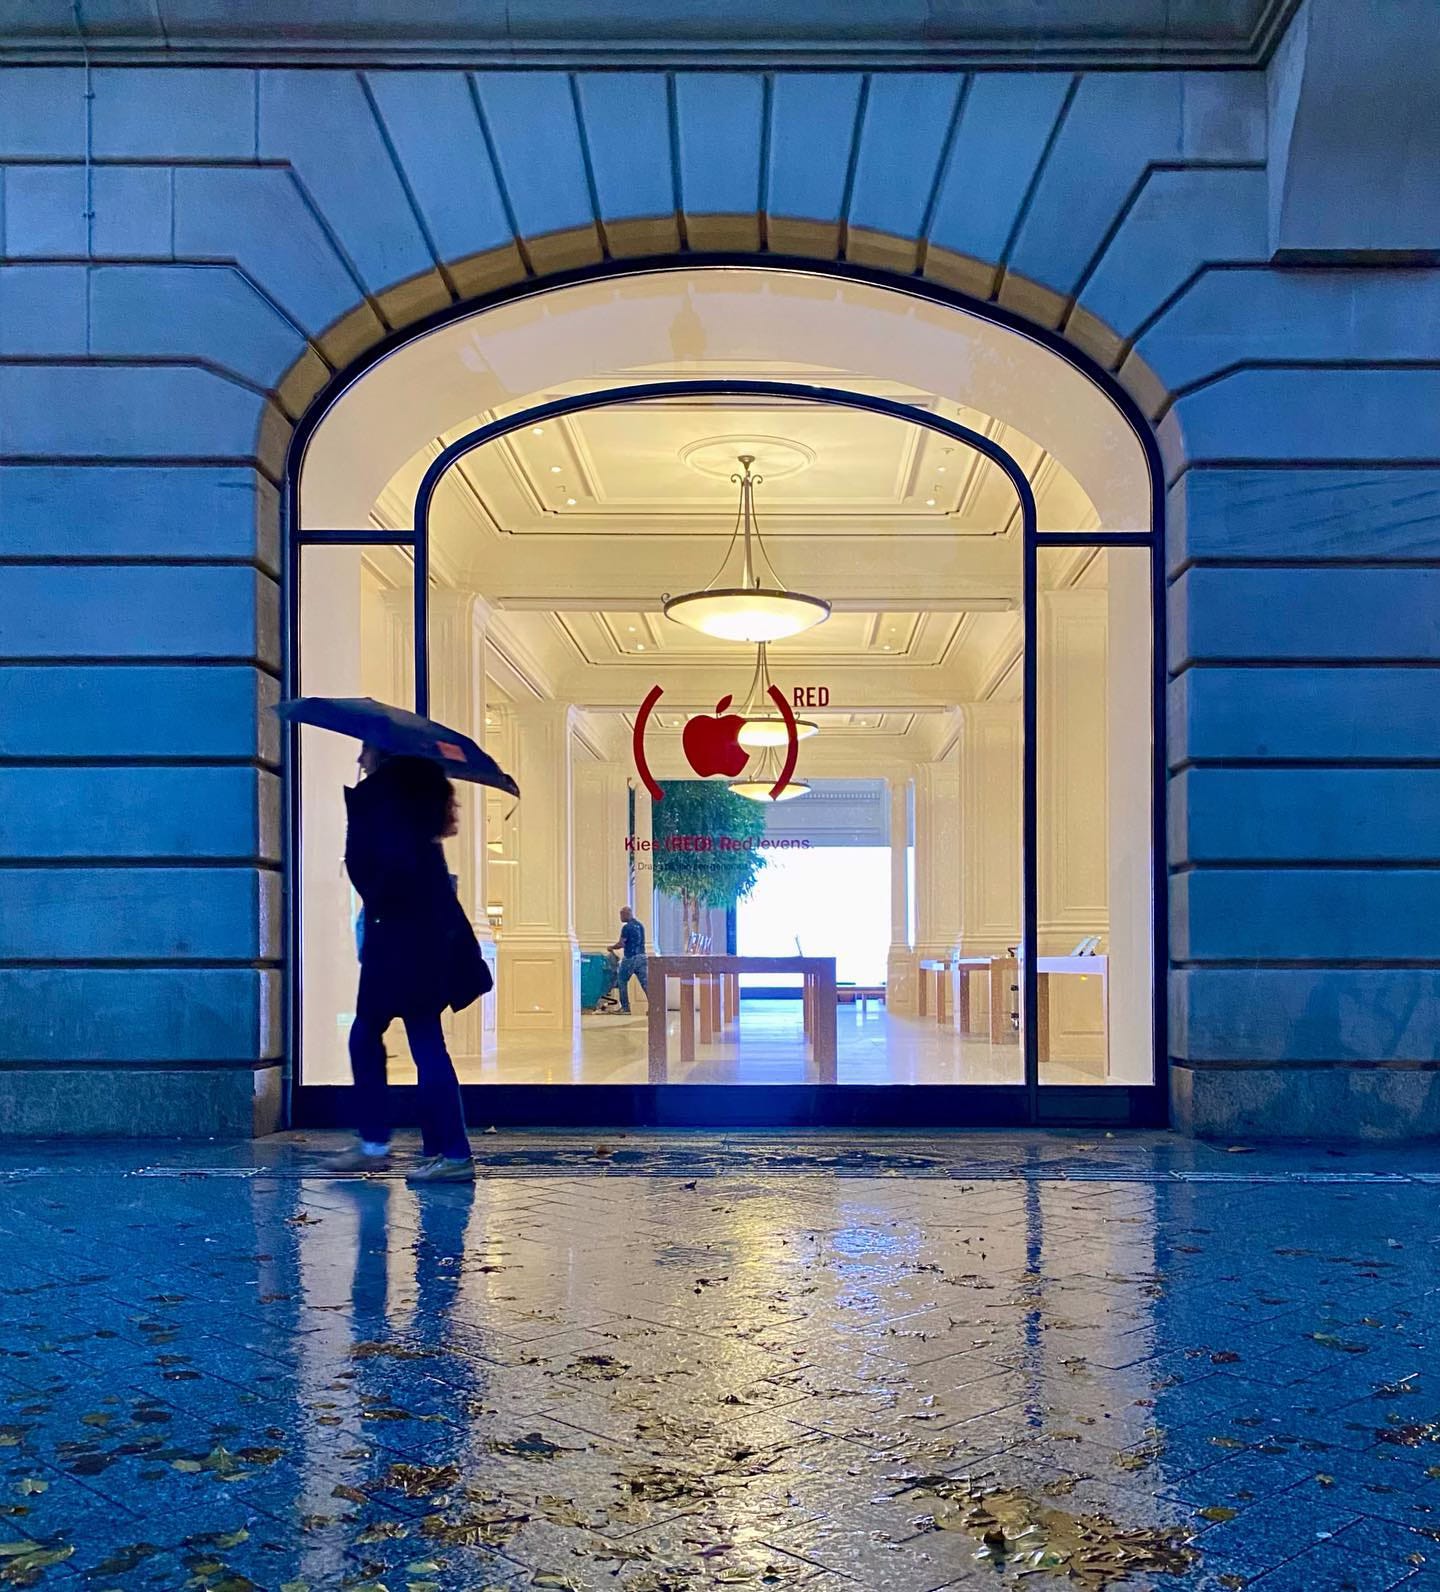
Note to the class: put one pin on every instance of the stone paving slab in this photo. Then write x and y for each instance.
(896, 1364)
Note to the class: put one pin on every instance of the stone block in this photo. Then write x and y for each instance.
(140, 611)
(1298, 815)
(307, 119)
(1305, 914)
(1307, 515)
(42, 312)
(719, 127)
(429, 118)
(80, 914)
(625, 118)
(1305, 415)
(150, 710)
(143, 1014)
(1005, 125)
(531, 121)
(1260, 314)
(258, 217)
(45, 211)
(193, 113)
(1304, 615)
(130, 411)
(1118, 125)
(42, 112)
(1223, 116)
(1179, 221)
(53, 813)
(907, 119)
(811, 117)
(209, 312)
(1305, 1014)
(1354, 145)
(138, 511)
(1345, 1104)
(236, 1102)
(1331, 714)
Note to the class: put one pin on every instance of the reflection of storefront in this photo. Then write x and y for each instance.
(988, 678)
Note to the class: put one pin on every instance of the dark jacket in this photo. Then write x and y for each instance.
(418, 951)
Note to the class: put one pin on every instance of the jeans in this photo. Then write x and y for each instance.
(640, 967)
(442, 1117)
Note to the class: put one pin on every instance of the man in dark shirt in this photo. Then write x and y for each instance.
(631, 946)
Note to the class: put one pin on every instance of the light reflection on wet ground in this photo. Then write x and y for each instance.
(676, 1364)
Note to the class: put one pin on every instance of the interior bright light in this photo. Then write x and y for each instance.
(755, 790)
(737, 614)
(769, 730)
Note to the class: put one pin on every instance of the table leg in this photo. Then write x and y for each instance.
(1042, 1017)
(823, 1039)
(687, 1017)
(732, 994)
(657, 1024)
(707, 1008)
(1002, 975)
(942, 995)
(962, 999)
(924, 978)
(807, 1005)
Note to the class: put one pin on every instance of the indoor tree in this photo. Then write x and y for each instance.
(716, 857)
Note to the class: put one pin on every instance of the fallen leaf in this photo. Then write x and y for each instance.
(1217, 1512)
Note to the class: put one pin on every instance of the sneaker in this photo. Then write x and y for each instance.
(442, 1169)
(358, 1159)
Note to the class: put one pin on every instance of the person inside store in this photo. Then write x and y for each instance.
(418, 955)
(630, 948)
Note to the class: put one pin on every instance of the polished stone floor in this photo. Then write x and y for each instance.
(873, 1046)
(665, 1365)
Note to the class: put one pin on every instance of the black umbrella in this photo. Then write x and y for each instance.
(402, 733)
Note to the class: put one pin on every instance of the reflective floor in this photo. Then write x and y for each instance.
(894, 1365)
(873, 1047)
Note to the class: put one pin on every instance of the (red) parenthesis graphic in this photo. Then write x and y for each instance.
(792, 742)
(638, 742)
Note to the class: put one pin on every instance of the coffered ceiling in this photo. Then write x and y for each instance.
(575, 529)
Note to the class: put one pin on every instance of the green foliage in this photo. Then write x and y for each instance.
(720, 876)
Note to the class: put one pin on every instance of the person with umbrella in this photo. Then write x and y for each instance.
(418, 952)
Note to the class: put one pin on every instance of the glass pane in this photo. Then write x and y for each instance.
(1095, 744)
(355, 640)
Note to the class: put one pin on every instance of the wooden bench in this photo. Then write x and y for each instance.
(848, 994)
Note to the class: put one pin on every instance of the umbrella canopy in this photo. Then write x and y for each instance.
(401, 732)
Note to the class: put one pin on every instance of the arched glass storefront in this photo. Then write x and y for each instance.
(486, 522)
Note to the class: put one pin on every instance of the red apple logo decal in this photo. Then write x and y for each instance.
(711, 742)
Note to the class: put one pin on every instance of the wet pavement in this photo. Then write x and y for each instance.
(671, 1364)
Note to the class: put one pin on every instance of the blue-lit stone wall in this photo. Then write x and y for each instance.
(1252, 258)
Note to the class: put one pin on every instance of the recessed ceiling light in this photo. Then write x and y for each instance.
(940, 469)
(571, 502)
(887, 646)
(929, 503)
(537, 431)
(554, 469)
(632, 630)
(639, 646)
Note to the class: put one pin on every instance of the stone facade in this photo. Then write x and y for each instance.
(192, 252)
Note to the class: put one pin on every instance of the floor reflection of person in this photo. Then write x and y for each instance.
(634, 963)
(418, 955)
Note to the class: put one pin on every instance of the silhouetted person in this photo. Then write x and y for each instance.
(418, 955)
(633, 960)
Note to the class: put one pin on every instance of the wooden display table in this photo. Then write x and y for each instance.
(1048, 967)
(951, 980)
(710, 988)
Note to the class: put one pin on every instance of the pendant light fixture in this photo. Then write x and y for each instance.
(758, 785)
(763, 726)
(748, 604)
